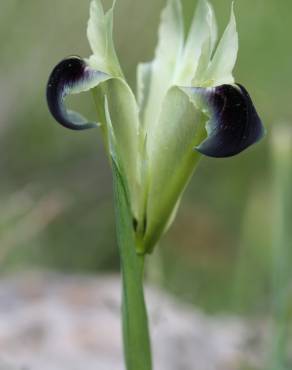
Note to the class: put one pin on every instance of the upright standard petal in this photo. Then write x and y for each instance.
(234, 124)
(219, 71)
(100, 37)
(163, 67)
(199, 44)
(71, 76)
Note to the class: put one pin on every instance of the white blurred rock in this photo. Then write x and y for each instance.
(54, 322)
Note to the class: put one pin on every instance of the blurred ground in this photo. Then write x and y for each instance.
(54, 322)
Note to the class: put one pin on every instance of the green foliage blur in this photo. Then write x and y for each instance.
(55, 190)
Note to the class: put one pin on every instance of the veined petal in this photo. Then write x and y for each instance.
(100, 37)
(171, 160)
(71, 76)
(199, 44)
(220, 69)
(234, 124)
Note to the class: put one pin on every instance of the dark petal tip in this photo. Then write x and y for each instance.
(234, 123)
(67, 75)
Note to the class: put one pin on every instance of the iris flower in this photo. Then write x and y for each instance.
(186, 105)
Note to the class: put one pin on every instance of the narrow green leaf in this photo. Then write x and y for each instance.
(117, 104)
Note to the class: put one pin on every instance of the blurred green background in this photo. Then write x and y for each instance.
(55, 190)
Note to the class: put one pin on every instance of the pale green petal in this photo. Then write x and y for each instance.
(200, 42)
(172, 159)
(153, 81)
(167, 55)
(170, 32)
(100, 37)
(199, 79)
(212, 27)
(220, 68)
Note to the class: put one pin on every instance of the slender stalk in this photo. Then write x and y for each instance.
(134, 315)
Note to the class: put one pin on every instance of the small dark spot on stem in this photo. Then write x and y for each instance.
(144, 224)
(135, 224)
(139, 227)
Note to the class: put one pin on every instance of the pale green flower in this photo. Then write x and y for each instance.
(187, 104)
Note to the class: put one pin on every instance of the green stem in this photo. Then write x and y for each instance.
(135, 323)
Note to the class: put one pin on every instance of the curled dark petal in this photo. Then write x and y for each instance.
(234, 124)
(70, 75)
